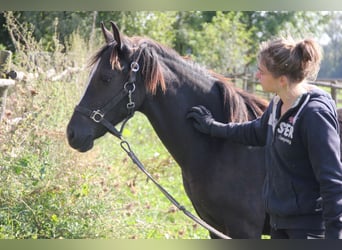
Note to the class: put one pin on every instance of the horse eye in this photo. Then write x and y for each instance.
(106, 79)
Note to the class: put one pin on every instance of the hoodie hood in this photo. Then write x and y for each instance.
(319, 95)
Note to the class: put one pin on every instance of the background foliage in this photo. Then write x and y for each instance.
(217, 39)
(48, 190)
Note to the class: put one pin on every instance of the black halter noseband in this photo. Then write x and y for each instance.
(98, 115)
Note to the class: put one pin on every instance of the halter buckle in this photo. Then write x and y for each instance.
(97, 116)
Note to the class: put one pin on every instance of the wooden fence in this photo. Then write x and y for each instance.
(250, 84)
(5, 83)
(335, 86)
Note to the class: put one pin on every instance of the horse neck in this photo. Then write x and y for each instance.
(167, 114)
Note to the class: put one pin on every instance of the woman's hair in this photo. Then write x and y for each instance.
(296, 60)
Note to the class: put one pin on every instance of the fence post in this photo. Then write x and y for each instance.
(334, 91)
(5, 64)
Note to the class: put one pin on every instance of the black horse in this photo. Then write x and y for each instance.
(223, 180)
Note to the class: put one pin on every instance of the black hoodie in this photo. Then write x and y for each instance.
(303, 185)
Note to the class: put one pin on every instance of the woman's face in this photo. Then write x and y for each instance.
(268, 82)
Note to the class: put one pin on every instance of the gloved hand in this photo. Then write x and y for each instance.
(202, 118)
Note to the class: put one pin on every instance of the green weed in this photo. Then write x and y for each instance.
(49, 190)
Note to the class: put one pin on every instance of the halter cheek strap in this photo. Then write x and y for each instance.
(98, 115)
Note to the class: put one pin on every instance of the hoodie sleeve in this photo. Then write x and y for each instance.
(252, 133)
(323, 143)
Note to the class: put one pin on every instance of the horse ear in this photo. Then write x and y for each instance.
(116, 33)
(107, 34)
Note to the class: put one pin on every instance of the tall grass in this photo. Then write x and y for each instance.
(48, 190)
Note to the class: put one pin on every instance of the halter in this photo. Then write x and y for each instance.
(98, 115)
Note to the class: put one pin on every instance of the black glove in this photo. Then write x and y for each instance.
(202, 118)
(204, 122)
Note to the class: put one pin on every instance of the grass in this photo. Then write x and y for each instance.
(49, 190)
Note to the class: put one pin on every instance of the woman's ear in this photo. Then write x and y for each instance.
(283, 80)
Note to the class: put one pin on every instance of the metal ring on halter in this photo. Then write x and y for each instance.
(135, 66)
(97, 116)
(130, 105)
(129, 90)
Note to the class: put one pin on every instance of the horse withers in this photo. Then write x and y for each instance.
(223, 180)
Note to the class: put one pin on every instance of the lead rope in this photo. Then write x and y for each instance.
(127, 148)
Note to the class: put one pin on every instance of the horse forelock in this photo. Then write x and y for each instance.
(142, 49)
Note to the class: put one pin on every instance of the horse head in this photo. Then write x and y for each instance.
(116, 88)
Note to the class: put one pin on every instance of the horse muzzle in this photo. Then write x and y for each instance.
(78, 141)
(80, 133)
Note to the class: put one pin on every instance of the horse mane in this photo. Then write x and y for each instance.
(238, 104)
(152, 67)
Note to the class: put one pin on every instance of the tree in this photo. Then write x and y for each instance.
(221, 44)
(226, 41)
(44, 25)
(5, 41)
(332, 62)
(186, 23)
(264, 25)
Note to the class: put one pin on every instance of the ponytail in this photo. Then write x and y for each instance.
(310, 54)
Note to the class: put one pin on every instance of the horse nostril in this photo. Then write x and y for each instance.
(70, 134)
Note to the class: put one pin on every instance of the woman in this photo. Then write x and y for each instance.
(300, 131)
